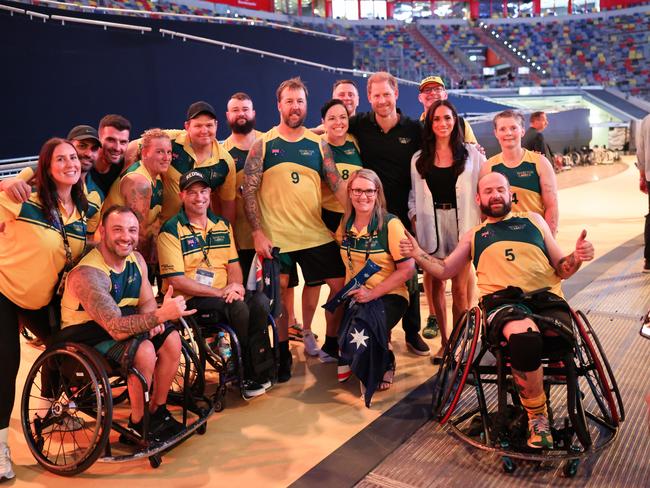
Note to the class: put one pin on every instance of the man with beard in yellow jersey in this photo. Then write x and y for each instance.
(196, 147)
(282, 199)
(530, 174)
(518, 250)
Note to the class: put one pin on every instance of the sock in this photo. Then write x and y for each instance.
(535, 406)
(284, 348)
(4, 435)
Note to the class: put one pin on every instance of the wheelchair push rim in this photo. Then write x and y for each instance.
(66, 420)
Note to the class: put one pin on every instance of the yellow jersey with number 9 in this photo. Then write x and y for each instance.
(512, 252)
(290, 194)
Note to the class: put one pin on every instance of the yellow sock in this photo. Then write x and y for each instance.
(535, 406)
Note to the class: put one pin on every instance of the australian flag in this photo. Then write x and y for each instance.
(363, 341)
(264, 276)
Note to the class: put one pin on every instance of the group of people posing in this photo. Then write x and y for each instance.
(83, 234)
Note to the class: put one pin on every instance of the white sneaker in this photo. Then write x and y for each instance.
(252, 389)
(309, 341)
(6, 473)
(326, 358)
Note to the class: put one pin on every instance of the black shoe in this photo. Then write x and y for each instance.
(163, 425)
(416, 345)
(284, 368)
(646, 266)
(252, 389)
(136, 429)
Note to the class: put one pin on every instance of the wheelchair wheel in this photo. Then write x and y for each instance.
(593, 365)
(189, 373)
(456, 363)
(67, 409)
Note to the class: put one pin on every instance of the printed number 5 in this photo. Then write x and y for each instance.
(295, 177)
(510, 256)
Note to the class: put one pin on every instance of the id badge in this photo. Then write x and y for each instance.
(204, 276)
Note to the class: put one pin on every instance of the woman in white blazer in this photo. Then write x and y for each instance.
(442, 204)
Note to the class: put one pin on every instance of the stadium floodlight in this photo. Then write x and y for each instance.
(493, 32)
(543, 71)
(496, 35)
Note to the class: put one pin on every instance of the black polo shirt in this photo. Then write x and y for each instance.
(389, 155)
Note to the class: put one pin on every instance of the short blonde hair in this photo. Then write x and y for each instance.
(380, 77)
(151, 134)
(291, 84)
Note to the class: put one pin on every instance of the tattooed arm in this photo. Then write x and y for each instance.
(92, 289)
(548, 184)
(253, 171)
(441, 269)
(331, 174)
(136, 191)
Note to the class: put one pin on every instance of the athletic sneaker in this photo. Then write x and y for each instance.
(252, 389)
(267, 385)
(539, 432)
(6, 473)
(295, 332)
(163, 424)
(431, 330)
(309, 341)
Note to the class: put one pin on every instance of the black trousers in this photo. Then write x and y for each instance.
(11, 317)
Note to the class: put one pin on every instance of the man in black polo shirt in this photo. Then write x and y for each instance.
(388, 140)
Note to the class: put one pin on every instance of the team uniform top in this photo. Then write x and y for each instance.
(290, 194)
(381, 246)
(524, 181)
(32, 253)
(115, 196)
(242, 228)
(218, 169)
(512, 252)
(96, 198)
(183, 246)
(125, 287)
(348, 160)
(94, 194)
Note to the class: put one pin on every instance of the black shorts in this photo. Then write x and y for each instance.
(332, 220)
(246, 257)
(317, 263)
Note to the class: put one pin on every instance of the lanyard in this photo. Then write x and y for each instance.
(69, 261)
(199, 239)
(372, 234)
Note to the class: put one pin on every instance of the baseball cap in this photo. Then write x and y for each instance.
(198, 108)
(190, 178)
(81, 132)
(432, 79)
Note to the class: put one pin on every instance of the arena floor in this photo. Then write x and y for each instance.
(303, 431)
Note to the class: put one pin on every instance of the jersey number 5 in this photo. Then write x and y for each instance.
(510, 256)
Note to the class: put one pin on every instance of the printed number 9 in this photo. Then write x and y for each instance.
(295, 177)
(345, 174)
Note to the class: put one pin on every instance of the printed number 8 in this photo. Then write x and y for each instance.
(345, 174)
(295, 177)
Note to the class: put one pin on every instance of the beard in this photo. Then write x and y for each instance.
(505, 209)
(244, 128)
(298, 123)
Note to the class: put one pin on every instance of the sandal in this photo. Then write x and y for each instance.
(387, 380)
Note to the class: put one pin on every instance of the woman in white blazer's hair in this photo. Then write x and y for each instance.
(444, 175)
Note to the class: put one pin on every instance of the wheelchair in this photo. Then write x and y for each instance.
(200, 331)
(69, 405)
(586, 422)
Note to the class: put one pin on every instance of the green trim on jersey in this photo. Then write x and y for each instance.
(523, 176)
(304, 152)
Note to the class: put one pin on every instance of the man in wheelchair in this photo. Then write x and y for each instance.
(513, 250)
(198, 257)
(109, 301)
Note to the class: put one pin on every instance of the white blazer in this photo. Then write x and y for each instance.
(467, 210)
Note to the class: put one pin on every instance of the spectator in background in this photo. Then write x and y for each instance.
(533, 139)
(643, 163)
(348, 93)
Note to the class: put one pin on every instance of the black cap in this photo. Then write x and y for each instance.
(192, 177)
(81, 132)
(198, 108)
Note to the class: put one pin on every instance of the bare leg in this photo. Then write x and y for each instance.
(287, 297)
(287, 304)
(529, 383)
(428, 292)
(438, 295)
(166, 367)
(333, 320)
(460, 302)
(310, 296)
(144, 361)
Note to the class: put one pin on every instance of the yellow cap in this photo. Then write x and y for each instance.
(432, 79)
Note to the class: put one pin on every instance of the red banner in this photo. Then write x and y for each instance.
(266, 5)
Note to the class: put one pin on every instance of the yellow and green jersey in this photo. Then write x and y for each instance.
(512, 252)
(524, 181)
(241, 228)
(32, 253)
(380, 245)
(187, 249)
(290, 194)
(95, 198)
(115, 196)
(348, 160)
(125, 287)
